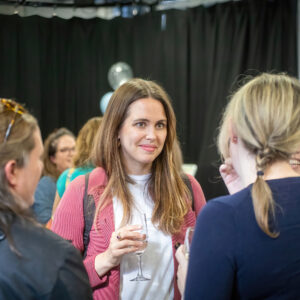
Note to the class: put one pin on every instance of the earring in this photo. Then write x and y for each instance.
(234, 139)
(119, 142)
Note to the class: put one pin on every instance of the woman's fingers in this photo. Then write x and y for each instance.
(295, 162)
(123, 241)
(230, 177)
(126, 244)
(129, 235)
(126, 240)
(182, 268)
(119, 252)
(180, 255)
(129, 231)
(226, 168)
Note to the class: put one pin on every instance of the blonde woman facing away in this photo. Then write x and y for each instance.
(247, 245)
(136, 174)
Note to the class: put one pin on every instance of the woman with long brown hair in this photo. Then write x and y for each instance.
(136, 173)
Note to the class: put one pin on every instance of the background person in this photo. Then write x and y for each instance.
(247, 245)
(59, 149)
(136, 173)
(82, 162)
(34, 262)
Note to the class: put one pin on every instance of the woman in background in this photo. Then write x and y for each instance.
(136, 174)
(35, 264)
(59, 149)
(82, 162)
(247, 245)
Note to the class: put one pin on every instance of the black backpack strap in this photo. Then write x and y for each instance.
(88, 214)
(187, 182)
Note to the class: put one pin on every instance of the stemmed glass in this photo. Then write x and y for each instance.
(188, 240)
(139, 253)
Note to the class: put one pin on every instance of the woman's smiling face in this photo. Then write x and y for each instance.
(142, 135)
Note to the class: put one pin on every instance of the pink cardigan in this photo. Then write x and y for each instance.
(69, 223)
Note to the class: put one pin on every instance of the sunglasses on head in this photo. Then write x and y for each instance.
(10, 105)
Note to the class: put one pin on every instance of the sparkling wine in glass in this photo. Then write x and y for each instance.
(188, 241)
(139, 252)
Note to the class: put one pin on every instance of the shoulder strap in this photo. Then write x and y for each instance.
(186, 180)
(88, 215)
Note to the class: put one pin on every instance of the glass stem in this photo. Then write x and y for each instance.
(140, 271)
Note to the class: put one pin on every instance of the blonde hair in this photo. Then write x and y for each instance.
(166, 187)
(265, 113)
(85, 142)
(18, 145)
(50, 148)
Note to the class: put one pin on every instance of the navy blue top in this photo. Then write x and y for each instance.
(44, 198)
(231, 257)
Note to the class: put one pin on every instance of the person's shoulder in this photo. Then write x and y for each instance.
(235, 200)
(190, 177)
(61, 182)
(79, 181)
(40, 252)
(46, 187)
(63, 176)
(227, 206)
(81, 171)
(95, 174)
(194, 182)
(98, 177)
(41, 242)
(46, 181)
(98, 171)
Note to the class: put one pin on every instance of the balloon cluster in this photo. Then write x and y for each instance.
(118, 74)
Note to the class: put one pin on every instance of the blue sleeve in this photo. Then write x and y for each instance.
(211, 270)
(43, 199)
(61, 183)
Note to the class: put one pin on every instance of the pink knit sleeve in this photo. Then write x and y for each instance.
(68, 221)
(94, 278)
(199, 198)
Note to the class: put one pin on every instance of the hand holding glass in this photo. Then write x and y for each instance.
(139, 252)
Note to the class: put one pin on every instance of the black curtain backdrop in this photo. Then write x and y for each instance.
(58, 68)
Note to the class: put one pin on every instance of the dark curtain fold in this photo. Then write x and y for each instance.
(228, 40)
(58, 68)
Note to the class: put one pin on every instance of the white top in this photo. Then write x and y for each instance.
(157, 260)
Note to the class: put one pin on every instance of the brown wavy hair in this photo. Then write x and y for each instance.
(168, 191)
(265, 113)
(18, 146)
(50, 148)
(85, 142)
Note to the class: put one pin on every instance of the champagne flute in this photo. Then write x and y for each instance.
(139, 252)
(188, 241)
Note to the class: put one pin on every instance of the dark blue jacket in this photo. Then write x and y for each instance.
(48, 268)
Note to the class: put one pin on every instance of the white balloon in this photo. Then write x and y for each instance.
(104, 101)
(118, 74)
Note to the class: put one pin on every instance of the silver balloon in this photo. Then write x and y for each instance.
(104, 101)
(118, 74)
